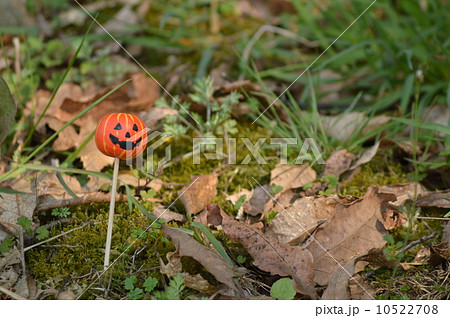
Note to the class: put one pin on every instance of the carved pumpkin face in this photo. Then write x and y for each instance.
(121, 136)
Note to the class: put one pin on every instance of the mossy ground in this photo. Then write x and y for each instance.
(75, 260)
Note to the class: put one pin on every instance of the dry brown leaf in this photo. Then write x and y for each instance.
(344, 127)
(213, 262)
(291, 176)
(199, 193)
(268, 255)
(438, 199)
(154, 115)
(13, 206)
(47, 183)
(344, 284)
(446, 234)
(135, 97)
(360, 289)
(10, 268)
(442, 250)
(432, 255)
(366, 156)
(294, 221)
(260, 201)
(353, 230)
(403, 192)
(161, 212)
(338, 288)
(174, 267)
(438, 114)
(338, 162)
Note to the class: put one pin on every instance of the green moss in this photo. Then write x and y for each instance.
(381, 170)
(78, 256)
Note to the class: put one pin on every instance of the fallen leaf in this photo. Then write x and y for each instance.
(174, 267)
(338, 162)
(360, 289)
(167, 215)
(13, 206)
(366, 156)
(134, 97)
(213, 262)
(344, 284)
(291, 176)
(154, 115)
(10, 268)
(338, 288)
(438, 114)
(199, 193)
(47, 184)
(353, 230)
(439, 199)
(260, 201)
(403, 192)
(345, 127)
(446, 234)
(268, 255)
(294, 221)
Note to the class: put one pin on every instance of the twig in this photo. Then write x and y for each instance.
(62, 245)
(11, 294)
(111, 213)
(95, 197)
(433, 218)
(416, 242)
(16, 42)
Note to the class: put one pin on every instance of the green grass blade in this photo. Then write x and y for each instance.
(61, 81)
(219, 248)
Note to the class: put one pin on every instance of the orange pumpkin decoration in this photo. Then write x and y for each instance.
(121, 136)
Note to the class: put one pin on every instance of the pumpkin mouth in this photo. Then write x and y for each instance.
(125, 145)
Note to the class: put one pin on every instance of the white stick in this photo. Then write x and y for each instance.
(111, 214)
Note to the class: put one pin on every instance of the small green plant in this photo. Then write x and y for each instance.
(332, 184)
(42, 233)
(173, 291)
(6, 245)
(25, 223)
(134, 292)
(218, 121)
(241, 259)
(391, 250)
(270, 215)
(283, 289)
(62, 212)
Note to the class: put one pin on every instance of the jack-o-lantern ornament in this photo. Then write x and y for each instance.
(121, 136)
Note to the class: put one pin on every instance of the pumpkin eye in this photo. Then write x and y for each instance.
(135, 128)
(118, 127)
(127, 135)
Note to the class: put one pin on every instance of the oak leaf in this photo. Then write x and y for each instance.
(353, 230)
(199, 193)
(269, 255)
